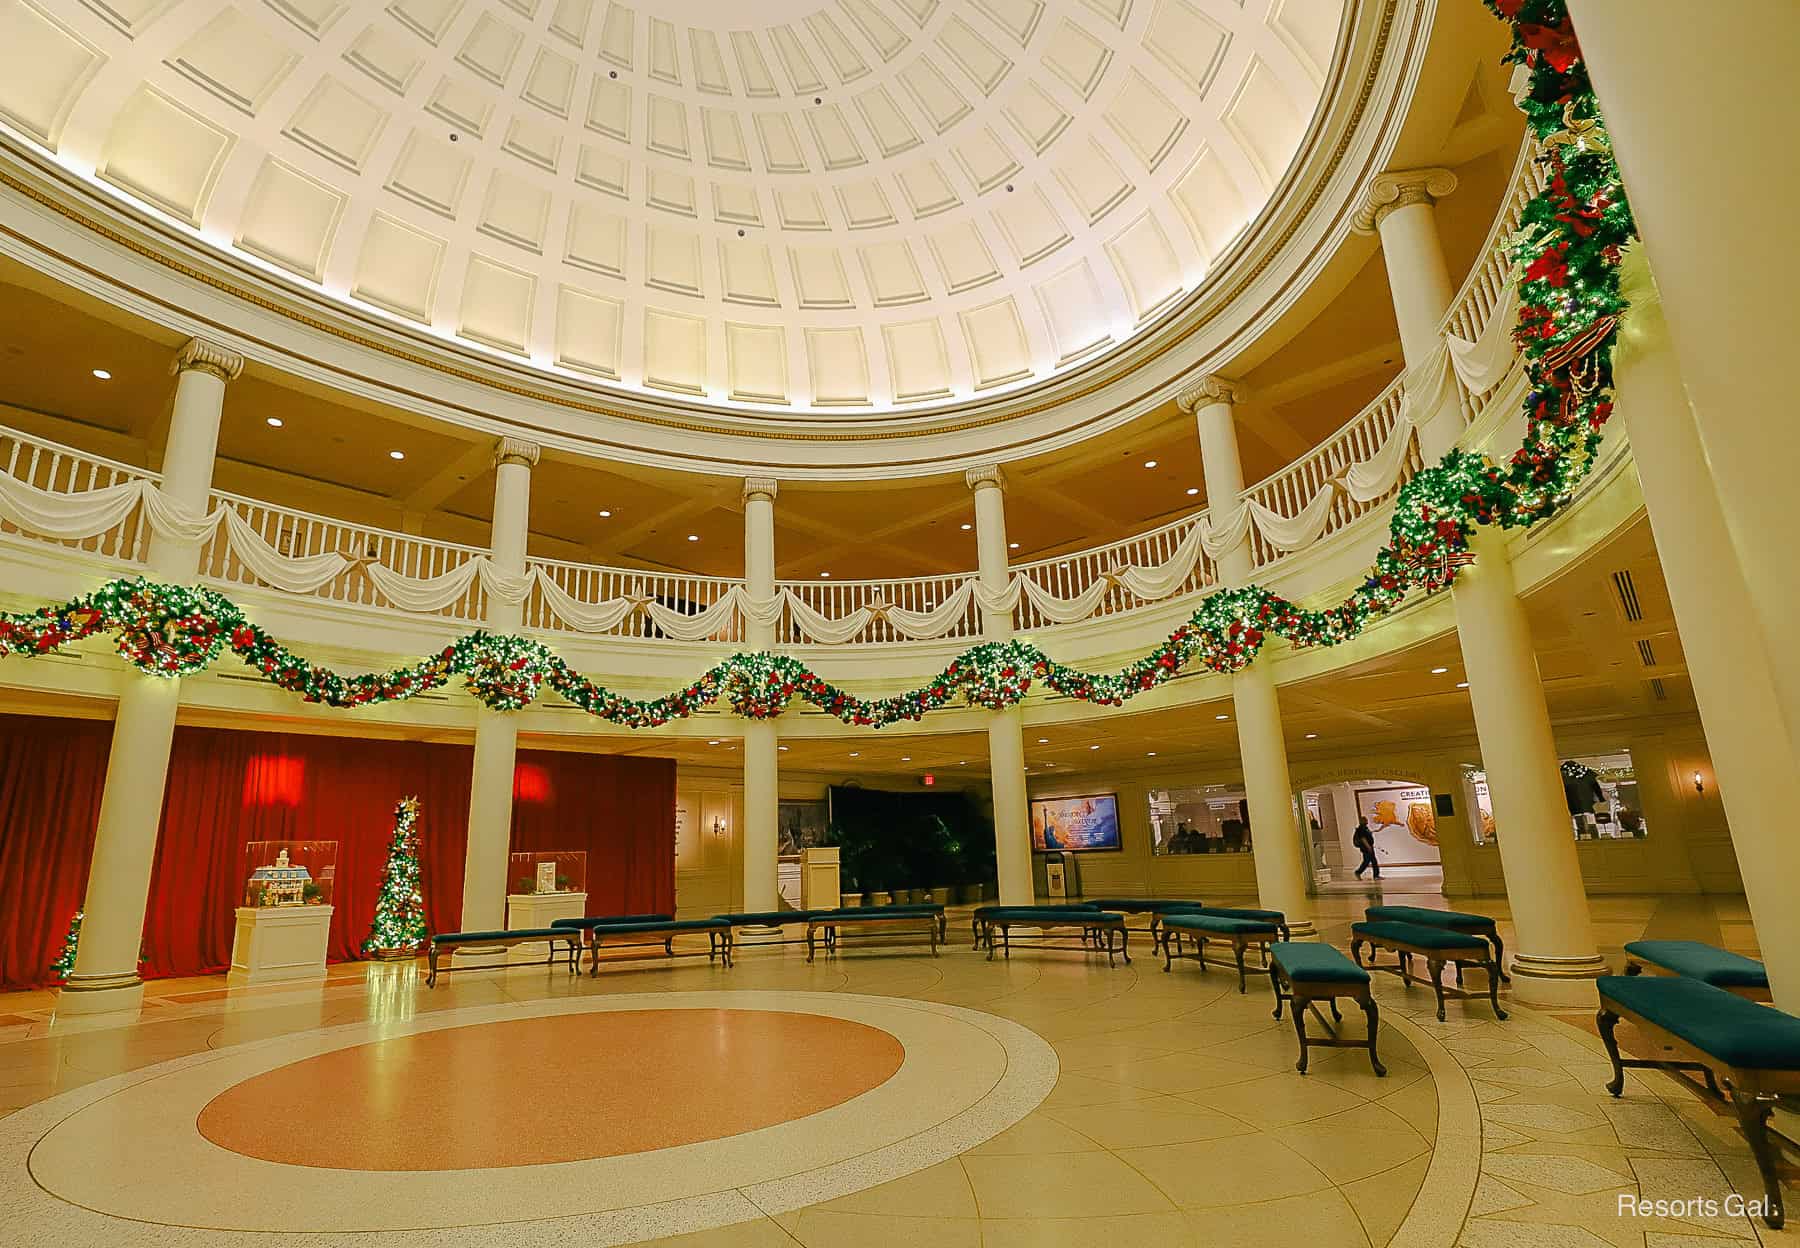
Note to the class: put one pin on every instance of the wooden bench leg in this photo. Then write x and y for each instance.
(810, 947)
(1500, 957)
(1169, 958)
(1604, 1022)
(1238, 944)
(1436, 967)
(1753, 1120)
(1275, 987)
(1356, 951)
(431, 957)
(1494, 990)
(1300, 1030)
(1125, 943)
(1367, 1001)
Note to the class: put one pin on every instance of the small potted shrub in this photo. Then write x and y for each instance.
(310, 893)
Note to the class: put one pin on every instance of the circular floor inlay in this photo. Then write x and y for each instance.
(551, 1089)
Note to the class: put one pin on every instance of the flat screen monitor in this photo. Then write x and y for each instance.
(1076, 824)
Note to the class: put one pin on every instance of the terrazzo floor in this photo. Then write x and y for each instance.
(880, 1097)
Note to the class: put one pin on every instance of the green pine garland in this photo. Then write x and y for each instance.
(399, 925)
(1567, 252)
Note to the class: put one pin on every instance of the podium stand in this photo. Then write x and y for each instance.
(819, 878)
(278, 944)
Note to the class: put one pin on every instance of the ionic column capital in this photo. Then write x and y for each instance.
(517, 451)
(1208, 389)
(761, 487)
(1397, 189)
(200, 356)
(987, 474)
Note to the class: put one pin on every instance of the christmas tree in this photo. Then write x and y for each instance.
(65, 961)
(399, 927)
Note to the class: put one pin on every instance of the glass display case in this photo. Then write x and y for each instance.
(542, 871)
(289, 873)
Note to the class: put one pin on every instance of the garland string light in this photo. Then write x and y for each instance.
(1567, 254)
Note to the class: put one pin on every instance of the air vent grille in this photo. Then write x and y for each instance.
(1657, 692)
(1646, 652)
(1626, 589)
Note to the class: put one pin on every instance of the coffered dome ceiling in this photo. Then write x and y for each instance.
(816, 205)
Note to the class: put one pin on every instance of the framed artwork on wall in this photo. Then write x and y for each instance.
(1076, 824)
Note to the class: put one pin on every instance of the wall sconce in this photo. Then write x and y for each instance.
(1699, 784)
(718, 825)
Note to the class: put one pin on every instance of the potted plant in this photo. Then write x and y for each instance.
(310, 893)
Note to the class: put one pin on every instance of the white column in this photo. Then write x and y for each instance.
(1554, 955)
(1279, 859)
(1006, 729)
(112, 927)
(1700, 104)
(762, 772)
(497, 732)
(1752, 751)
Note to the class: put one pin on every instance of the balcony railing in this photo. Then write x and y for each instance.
(60, 470)
(1067, 576)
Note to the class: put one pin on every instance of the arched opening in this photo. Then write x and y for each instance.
(1400, 816)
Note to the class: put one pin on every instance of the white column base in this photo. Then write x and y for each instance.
(110, 994)
(1558, 983)
(464, 959)
(1302, 929)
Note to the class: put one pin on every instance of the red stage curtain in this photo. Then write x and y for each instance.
(228, 787)
(51, 773)
(618, 808)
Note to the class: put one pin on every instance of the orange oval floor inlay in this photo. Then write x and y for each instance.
(563, 1088)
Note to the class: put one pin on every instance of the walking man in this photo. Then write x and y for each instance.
(1364, 840)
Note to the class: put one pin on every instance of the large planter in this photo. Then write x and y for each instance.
(941, 896)
(990, 890)
(964, 894)
(918, 896)
(850, 901)
(883, 898)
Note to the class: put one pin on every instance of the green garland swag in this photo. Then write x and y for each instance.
(1568, 253)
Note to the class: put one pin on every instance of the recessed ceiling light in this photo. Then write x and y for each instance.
(826, 575)
(693, 537)
(906, 758)
(712, 742)
(396, 454)
(855, 753)
(274, 422)
(1193, 490)
(1462, 684)
(966, 527)
(102, 374)
(782, 748)
(1149, 753)
(1221, 717)
(1093, 747)
(1043, 740)
(1439, 671)
(1149, 463)
(1012, 545)
(605, 515)
(1311, 735)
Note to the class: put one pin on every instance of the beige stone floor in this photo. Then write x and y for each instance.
(1176, 1117)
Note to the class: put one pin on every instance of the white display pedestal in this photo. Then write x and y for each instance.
(819, 878)
(536, 910)
(276, 944)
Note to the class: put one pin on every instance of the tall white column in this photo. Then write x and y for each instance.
(762, 771)
(497, 732)
(1752, 751)
(1006, 729)
(105, 975)
(1699, 104)
(1554, 955)
(1269, 791)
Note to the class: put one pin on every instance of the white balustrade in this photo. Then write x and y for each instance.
(836, 599)
(298, 534)
(1293, 487)
(60, 470)
(1065, 576)
(1485, 286)
(588, 583)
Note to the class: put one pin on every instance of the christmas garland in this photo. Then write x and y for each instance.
(1568, 254)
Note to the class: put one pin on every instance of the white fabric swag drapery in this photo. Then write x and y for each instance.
(1482, 364)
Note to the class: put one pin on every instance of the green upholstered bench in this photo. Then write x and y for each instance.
(1201, 926)
(875, 923)
(765, 920)
(978, 919)
(1096, 929)
(551, 936)
(1754, 1048)
(911, 907)
(1438, 946)
(1709, 964)
(1302, 973)
(1156, 907)
(618, 932)
(1456, 920)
